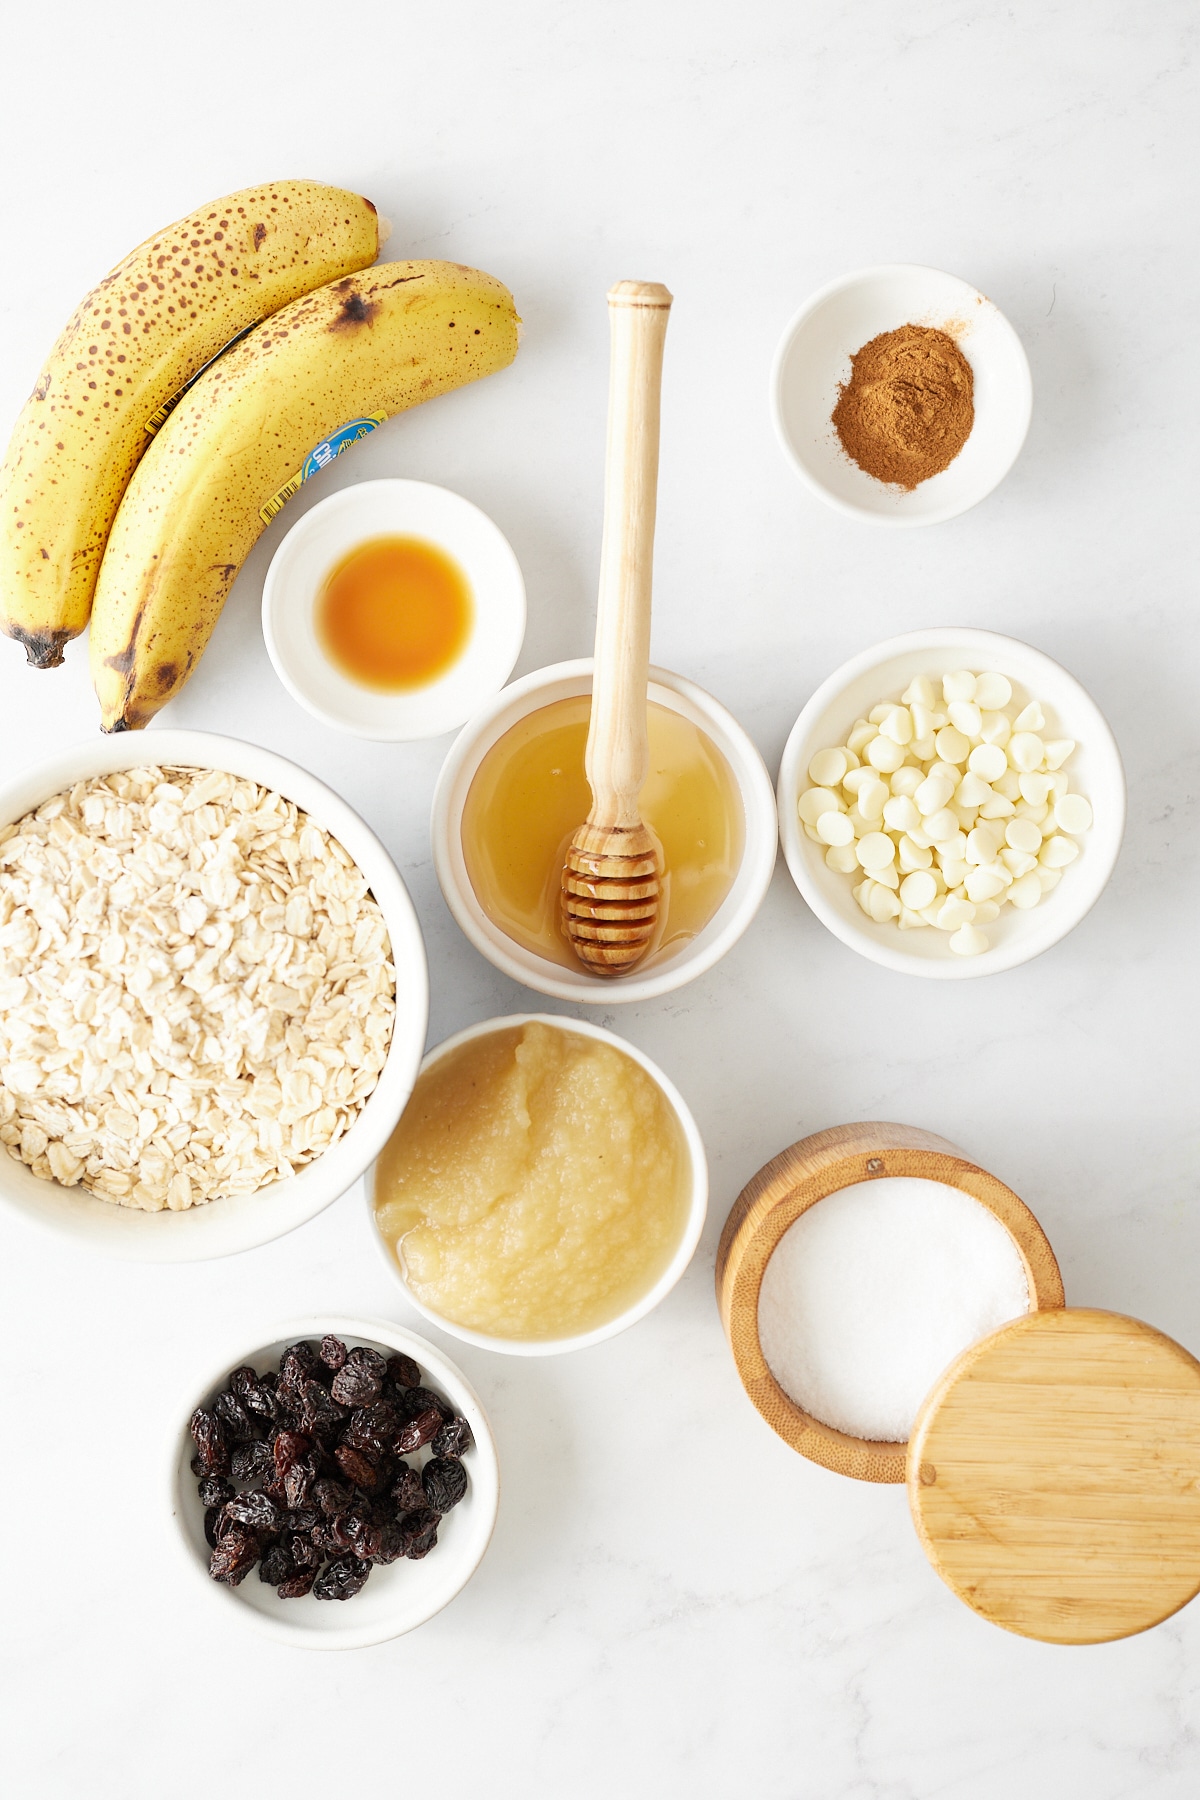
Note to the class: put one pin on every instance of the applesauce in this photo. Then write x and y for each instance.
(537, 1185)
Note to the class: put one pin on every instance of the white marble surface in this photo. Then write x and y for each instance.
(674, 1603)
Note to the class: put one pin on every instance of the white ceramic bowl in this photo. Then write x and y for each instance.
(241, 1222)
(397, 1598)
(697, 1206)
(882, 673)
(562, 681)
(813, 361)
(378, 509)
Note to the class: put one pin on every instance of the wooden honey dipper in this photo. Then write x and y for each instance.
(611, 879)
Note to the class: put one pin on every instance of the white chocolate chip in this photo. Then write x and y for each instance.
(900, 814)
(918, 889)
(897, 724)
(884, 755)
(992, 691)
(960, 685)
(933, 794)
(967, 941)
(966, 717)
(1025, 750)
(987, 761)
(1026, 891)
(835, 828)
(876, 850)
(1023, 834)
(818, 800)
(1072, 813)
(1057, 852)
(828, 767)
(1035, 786)
(1031, 719)
(952, 746)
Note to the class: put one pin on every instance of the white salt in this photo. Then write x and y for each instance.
(875, 1290)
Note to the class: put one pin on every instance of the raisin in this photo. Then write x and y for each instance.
(257, 1510)
(215, 1490)
(417, 1431)
(371, 1427)
(212, 1445)
(289, 1447)
(276, 1566)
(319, 1412)
(297, 1483)
(445, 1482)
(392, 1540)
(302, 1520)
(403, 1371)
(357, 1382)
(242, 1380)
(453, 1439)
(212, 1515)
(365, 1538)
(342, 1579)
(252, 1462)
(239, 1427)
(422, 1399)
(333, 1352)
(407, 1490)
(303, 1552)
(261, 1401)
(357, 1465)
(418, 1547)
(298, 1586)
(331, 1496)
(299, 1362)
(234, 1556)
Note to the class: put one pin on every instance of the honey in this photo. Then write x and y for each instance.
(530, 794)
(537, 1186)
(394, 613)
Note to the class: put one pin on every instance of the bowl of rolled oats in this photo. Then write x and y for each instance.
(213, 995)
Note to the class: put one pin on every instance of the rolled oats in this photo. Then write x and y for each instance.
(196, 991)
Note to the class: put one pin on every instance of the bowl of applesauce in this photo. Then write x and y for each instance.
(544, 1189)
(513, 790)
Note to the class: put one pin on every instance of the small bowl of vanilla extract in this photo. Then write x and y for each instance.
(513, 790)
(393, 610)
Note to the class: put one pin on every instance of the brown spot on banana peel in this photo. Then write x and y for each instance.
(122, 660)
(355, 310)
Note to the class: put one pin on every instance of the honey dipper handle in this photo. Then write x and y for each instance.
(617, 752)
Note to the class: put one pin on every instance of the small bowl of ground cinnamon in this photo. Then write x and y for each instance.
(901, 395)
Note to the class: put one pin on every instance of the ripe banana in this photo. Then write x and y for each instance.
(275, 409)
(118, 368)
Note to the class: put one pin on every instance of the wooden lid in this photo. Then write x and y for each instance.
(1054, 1476)
(772, 1202)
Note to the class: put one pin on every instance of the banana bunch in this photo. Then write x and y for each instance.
(114, 375)
(276, 408)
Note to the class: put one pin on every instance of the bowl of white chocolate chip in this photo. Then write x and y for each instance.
(213, 995)
(951, 803)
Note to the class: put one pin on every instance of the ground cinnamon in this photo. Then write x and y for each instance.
(907, 409)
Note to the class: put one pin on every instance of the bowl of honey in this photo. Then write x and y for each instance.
(513, 790)
(393, 610)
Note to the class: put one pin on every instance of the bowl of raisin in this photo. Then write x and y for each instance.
(344, 1460)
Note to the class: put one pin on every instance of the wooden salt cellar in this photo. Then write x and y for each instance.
(774, 1200)
(1053, 1472)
